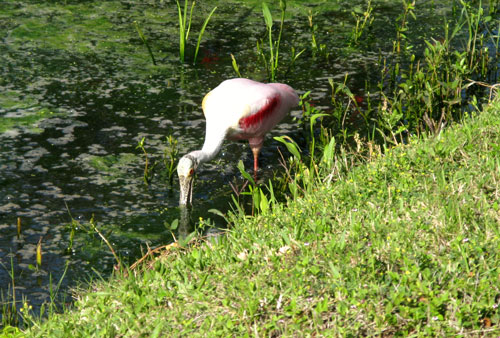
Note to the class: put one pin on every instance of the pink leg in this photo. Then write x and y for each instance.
(256, 145)
(255, 163)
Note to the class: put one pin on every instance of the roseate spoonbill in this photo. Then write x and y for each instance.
(237, 109)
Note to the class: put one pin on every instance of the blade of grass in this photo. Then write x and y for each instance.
(145, 41)
(181, 32)
(235, 66)
(201, 32)
(269, 23)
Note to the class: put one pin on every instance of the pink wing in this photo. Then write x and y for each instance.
(269, 104)
(248, 109)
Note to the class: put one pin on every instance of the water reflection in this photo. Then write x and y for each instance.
(185, 224)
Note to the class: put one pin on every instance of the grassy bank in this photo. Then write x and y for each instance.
(406, 244)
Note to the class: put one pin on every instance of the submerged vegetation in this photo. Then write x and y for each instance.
(382, 220)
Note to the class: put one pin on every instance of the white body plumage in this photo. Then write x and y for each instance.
(237, 109)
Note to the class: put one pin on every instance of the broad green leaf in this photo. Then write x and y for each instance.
(290, 145)
(267, 16)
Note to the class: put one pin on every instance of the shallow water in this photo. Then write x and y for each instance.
(79, 92)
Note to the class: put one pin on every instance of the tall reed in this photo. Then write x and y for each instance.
(145, 41)
(274, 45)
(363, 22)
(185, 27)
(170, 157)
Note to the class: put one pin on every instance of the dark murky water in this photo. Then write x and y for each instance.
(85, 79)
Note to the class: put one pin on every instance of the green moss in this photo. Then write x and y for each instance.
(27, 120)
(75, 28)
(114, 166)
(11, 99)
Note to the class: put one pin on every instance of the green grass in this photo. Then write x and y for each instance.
(405, 244)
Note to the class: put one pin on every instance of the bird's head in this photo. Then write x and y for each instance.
(185, 170)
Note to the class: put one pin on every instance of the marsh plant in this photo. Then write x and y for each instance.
(9, 302)
(185, 28)
(17, 312)
(93, 226)
(364, 21)
(435, 87)
(414, 96)
(39, 254)
(269, 51)
(262, 199)
(235, 65)
(145, 41)
(18, 228)
(418, 93)
(402, 25)
(274, 45)
(148, 168)
(185, 14)
(318, 49)
(170, 157)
